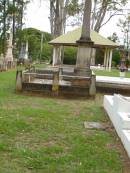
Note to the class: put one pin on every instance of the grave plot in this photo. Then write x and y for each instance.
(118, 110)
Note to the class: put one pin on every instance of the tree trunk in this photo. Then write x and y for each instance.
(4, 27)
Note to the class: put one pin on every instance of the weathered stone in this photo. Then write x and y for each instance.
(55, 84)
(94, 125)
(19, 81)
(92, 89)
(83, 57)
(81, 82)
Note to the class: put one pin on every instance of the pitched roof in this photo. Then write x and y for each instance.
(70, 38)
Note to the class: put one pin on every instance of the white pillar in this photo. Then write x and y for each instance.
(26, 51)
(56, 55)
(105, 57)
(110, 60)
(107, 63)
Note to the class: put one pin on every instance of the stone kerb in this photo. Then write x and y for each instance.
(118, 109)
(126, 140)
(121, 104)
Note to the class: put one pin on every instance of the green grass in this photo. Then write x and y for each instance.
(112, 73)
(46, 135)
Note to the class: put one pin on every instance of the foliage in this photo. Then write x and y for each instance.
(124, 25)
(11, 18)
(34, 40)
(102, 8)
(114, 37)
(99, 56)
(116, 57)
(70, 55)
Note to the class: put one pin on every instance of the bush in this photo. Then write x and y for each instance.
(99, 56)
(46, 52)
(116, 57)
(34, 42)
(70, 54)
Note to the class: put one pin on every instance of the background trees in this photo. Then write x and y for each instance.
(62, 14)
(11, 17)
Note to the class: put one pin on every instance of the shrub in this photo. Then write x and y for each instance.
(70, 54)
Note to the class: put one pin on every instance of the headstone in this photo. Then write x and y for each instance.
(23, 55)
(9, 54)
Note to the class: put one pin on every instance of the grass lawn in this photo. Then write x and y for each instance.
(46, 135)
(112, 73)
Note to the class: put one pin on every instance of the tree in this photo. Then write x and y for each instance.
(34, 39)
(124, 25)
(3, 25)
(114, 37)
(11, 17)
(103, 7)
(60, 11)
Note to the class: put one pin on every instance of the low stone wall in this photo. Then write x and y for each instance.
(55, 81)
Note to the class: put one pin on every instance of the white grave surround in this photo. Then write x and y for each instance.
(118, 110)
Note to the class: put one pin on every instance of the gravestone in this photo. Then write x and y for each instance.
(23, 55)
(9, 54)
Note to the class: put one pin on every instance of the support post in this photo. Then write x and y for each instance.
(110, 60)
(105, 57)
(56, 55)
(19, 80)
(55, 84)
(107, 62)
(92, 88)
(93, 54)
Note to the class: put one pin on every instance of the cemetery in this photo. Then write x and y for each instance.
(57, 117)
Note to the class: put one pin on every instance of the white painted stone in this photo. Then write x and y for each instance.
(125, 138)
(124, 119)
(118, 109)
(114, 80)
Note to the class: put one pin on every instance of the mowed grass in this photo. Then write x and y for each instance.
(112, 73)
(47, 135)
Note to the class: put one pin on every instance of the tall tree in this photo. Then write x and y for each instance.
(4, 24)
(60, 11)
(124, 25)
(103, 7)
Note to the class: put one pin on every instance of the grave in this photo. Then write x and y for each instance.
(118, 110)
(9, 55)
